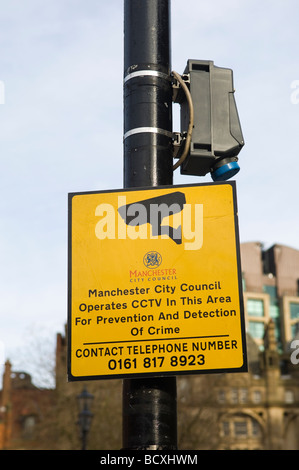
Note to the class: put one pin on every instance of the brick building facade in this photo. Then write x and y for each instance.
(23, 408)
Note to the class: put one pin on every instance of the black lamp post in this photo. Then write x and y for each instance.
(85, 415)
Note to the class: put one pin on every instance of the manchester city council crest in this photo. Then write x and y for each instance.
(152, 259)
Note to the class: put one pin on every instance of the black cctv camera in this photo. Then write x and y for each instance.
(216, 135)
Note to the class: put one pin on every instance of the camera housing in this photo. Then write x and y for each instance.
(217, 135)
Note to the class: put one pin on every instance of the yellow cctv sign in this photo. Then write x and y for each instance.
(155, 282)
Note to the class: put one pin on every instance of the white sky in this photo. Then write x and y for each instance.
(61, 65)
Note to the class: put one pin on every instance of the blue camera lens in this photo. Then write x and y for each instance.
(225, 172)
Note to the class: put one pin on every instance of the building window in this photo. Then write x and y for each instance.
(289, 396)
(28, 426)
(257, 396)
(255, 307)
(241, 428)
(274, 311)
(225, 428)
(294, 309)
(294, 329)
(243, 395)
(272, 291)
(256, 329)
(221, 396)
(234, 395)
(256, 431)
(238, 395)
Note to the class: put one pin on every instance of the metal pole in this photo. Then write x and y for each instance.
(147, 94)
(149, 405)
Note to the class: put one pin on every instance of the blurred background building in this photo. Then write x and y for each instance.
(254, 410)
